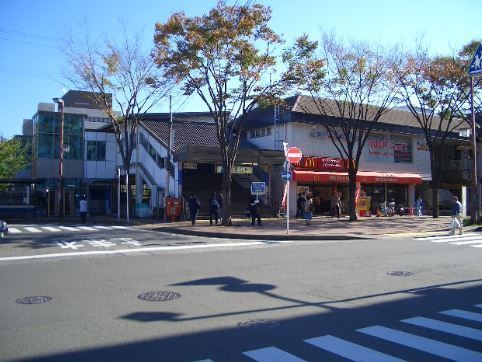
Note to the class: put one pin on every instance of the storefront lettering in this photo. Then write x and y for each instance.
(323, 163)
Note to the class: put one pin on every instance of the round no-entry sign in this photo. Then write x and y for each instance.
(294, 154)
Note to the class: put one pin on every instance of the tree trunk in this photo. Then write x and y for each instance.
(351, 195)
(226, 189)
(436, 179)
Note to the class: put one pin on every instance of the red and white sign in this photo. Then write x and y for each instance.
(294, 154)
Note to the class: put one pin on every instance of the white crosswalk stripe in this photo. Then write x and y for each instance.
(33, 230)
(356, 352)
(477, 317)
(88, 228)
(451, 328)
(270, 354)
(49, 228)
(350, 350)
(424, 344)
(466, 239)
(39, 229)
(68, 228)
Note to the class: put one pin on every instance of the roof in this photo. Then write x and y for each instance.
(304, 109)
(188, 129)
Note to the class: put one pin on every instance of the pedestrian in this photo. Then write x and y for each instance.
(457, 222)
(308, 209)
(254, 210)
(335, 205)
(300, 205)
(418, 205)
(213, 209)
(194, 205)
(220, 202)
(83, 209)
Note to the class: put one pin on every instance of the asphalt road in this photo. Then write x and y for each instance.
(231, 300)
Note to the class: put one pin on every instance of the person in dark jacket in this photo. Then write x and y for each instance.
(300, 205)
(254, 211)
(213, 209)
(194, 205)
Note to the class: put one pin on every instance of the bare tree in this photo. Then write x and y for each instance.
(436, 90)
(351, 88)
(125, 83)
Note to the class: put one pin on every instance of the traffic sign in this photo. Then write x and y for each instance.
(286, 175)
(475, 66)
(294, 154)
(258, 188)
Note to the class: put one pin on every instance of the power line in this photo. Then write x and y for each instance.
(27, 35)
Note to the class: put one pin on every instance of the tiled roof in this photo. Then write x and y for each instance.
(186, 133)
(305, 104)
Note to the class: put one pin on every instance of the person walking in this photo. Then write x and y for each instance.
(457, 222)
(194, 205)
(83, 210)
(300, 205)
(220, 202)
(213, 209)
(418, 206)
(335, 205)
(254, 211)
(308, 209)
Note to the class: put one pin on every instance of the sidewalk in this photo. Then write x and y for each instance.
(321, 228)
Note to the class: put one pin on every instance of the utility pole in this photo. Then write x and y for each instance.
(60, 187)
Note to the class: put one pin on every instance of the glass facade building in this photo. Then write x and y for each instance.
(47, 135)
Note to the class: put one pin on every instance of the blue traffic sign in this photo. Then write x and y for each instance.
(475, 66)
(258, 188)
(286, 175)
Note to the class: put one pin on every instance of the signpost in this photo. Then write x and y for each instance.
(258, 188)
(475, 69)
(293, 155)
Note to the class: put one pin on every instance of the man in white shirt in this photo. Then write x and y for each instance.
(83, 210)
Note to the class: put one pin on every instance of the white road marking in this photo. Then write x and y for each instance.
(478, 305)
(451, 328)
(69, 245)
(49, 228)
(126, 251)
(119, 227)
(476, 246)
(32, 229)
(463, 314)
(103, 227)
(350, 350)
(14, 230)
(270, 354)
(436, 348)
(447, 238)
(69, 228)
(87, 228)
(479, 241)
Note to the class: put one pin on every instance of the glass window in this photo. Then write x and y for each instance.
(160, 161)
(96, 150)
(402, 149)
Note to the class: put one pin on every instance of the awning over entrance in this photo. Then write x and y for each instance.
(364, 177)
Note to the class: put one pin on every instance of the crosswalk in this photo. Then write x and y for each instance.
(56, 229)
(473, 240)
(412, 339)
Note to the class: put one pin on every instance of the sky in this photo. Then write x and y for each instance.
(32, 61)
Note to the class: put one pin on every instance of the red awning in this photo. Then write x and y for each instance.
(364, 177)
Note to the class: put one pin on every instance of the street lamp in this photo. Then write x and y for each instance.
(60, 103)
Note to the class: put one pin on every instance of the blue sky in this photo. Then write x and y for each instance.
(31, 59)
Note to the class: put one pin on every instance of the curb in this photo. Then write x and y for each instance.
(211, 234)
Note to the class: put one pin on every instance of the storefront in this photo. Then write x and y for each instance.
(322, 176)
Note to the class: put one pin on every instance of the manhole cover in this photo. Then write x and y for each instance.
(259, 324)
(400, 273)
(33, 300)
(158, 296)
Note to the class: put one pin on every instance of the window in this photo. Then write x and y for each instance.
(160, 161)
(402, 149)
(260, 132)
(96, 150)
